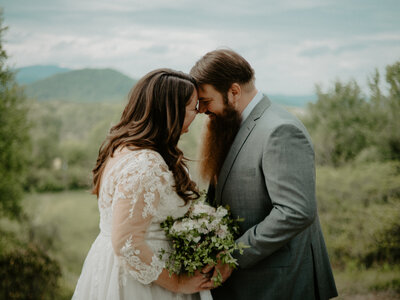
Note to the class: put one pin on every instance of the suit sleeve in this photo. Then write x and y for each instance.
(289, 171)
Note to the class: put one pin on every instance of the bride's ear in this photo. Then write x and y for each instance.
(234, 94)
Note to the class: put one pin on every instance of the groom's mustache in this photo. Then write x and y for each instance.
(212, 115)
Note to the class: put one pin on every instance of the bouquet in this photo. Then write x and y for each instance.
(203, 236)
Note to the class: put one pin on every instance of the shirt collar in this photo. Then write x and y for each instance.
(246, 112)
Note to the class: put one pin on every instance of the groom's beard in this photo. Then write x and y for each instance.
(217, 140)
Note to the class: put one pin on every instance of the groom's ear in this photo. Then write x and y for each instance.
(234, 94)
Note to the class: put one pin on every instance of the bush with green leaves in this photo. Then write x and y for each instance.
(28, 273)
(359, 207)
(385, 246)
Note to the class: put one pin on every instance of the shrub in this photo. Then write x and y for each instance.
(43, 180)
(28, 273)
(78, 178)
(359, 208)
(385, 246)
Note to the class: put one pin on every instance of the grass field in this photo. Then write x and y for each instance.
(71, 219)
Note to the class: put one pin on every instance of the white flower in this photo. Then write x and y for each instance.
(177, 227)
(202, 225)
(196, 239)
(202, 208)
(186, 225)
(214, 224)
(221, 212)
(222, 232)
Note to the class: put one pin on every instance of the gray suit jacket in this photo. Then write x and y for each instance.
(268, 178)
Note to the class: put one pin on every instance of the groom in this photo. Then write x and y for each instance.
(259, 160)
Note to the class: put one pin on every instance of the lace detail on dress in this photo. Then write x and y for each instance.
(149, 208)
(143, 273)
(140, 184)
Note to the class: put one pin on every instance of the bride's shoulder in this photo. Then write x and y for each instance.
(150, 153)
(145, 159)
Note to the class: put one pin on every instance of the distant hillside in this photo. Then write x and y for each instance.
(27, 75)
(100, 85)
(296, 101)
(86, 85)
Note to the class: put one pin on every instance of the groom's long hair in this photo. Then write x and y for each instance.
(221, 68)
(153, 119)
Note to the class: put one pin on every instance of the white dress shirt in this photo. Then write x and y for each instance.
(246, 112)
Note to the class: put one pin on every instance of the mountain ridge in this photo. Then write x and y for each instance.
(84, 85)
(30, 74)
(108, 85)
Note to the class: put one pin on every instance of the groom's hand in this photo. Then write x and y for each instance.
(222, 269)
(208, 271)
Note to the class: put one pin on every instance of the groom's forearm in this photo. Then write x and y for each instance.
(270, 235)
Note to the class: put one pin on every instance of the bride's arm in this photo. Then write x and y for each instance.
(183, 283)
(135, 202)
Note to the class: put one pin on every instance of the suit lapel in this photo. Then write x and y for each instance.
(238, 143)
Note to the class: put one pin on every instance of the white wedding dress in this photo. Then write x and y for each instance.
(136, 195)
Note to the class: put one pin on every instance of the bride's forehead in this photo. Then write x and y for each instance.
(194, 97)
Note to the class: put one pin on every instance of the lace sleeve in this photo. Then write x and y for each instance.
(135, 202)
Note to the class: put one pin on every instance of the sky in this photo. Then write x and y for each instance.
(291, 44)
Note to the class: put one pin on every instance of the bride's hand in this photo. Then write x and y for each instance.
(192, 284)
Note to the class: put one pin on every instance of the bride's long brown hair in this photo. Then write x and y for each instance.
(153, 119)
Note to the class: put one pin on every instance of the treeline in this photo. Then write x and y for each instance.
(357, 145)
(65, 141)
(66, 137)
(349, 126)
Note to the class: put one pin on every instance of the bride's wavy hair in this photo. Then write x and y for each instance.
(153, 119)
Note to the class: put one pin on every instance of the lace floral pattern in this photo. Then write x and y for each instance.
(149, 208)
(143, 273)
(137, 194)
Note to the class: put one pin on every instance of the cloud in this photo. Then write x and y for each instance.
(291, 44)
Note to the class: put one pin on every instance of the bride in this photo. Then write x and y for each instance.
(140, 178)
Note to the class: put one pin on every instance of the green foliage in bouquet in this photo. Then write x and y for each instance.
(203, 236)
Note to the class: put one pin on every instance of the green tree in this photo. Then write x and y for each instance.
(346, 125)
(338, 123)
(14, 137)
(27, 272)
(386, 113)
